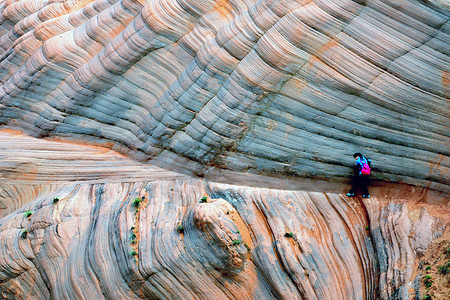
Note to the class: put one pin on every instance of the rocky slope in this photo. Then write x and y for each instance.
(233, 122)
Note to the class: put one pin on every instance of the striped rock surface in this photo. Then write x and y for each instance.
(263, 87)
(255, 105)
(95, 243)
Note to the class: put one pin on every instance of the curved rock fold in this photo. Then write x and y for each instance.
(173, 149)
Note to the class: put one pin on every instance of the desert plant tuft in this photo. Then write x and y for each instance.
(204, 199)
(24, 234)
(247, 246)
(28, 213)
(236, 242)
(55, 200)
(137, 202)
(427, 297)
(445, 269)
(180, 229)
(289, 234)
(428, 268)
(133, 236)
(367, 227)
(133, 252)
(427, 281)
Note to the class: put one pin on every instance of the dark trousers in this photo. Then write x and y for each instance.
(360, 182)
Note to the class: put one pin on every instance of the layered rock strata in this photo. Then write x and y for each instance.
(243, 116)
(192, 238)
(266, 87)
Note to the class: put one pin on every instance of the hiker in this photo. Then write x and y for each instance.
(361, 180)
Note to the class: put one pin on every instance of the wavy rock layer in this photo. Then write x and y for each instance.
(95, 243)
(264, 87)
(269, 88)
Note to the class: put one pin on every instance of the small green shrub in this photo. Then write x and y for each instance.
(28, 213)
(427, 297)
(133, 236)
(204, 199)
(445, 269)
(132, 228)
(133, 253)
(247, 246)
(289, 234)
(133, 242)
(427, 280)
(428, 268)
(55, 200)
(180, 229)
(238, 231)
(367, 227)
(24, 234)
(236, 242)
(137, 202)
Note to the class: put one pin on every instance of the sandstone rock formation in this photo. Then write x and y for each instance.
(95, 243)
(267, 87)
(255, 105)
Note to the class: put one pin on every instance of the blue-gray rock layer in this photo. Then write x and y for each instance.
(265, 87)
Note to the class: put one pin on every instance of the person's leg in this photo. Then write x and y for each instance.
(355, 184)
(364, 184)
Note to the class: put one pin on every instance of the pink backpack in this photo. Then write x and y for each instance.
(365, 169)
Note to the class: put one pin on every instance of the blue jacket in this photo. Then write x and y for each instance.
(360, 163)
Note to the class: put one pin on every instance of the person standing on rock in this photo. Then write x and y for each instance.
(361, 179)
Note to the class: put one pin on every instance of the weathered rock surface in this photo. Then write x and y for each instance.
(265, 101)
(264, 87)
(233, 246)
